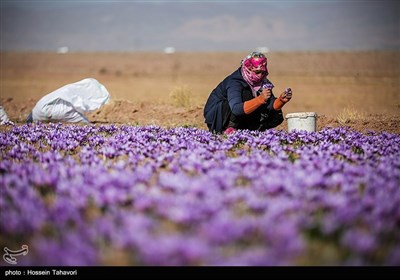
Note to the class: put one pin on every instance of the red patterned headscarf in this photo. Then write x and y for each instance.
(254, 69)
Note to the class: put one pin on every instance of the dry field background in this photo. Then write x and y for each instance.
(356, 89)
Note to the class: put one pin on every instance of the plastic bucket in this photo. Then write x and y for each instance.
(302, 121)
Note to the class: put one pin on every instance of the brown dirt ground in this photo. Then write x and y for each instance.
(356, 89)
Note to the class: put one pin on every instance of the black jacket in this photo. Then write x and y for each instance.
(230, 89)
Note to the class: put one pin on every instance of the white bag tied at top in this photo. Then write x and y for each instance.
(3, 116)
(70, 102)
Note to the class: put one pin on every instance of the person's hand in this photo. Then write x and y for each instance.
(286, 95)
(266, 94)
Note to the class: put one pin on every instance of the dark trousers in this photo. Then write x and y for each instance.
(261, 119)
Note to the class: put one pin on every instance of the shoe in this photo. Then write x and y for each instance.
(229, 130)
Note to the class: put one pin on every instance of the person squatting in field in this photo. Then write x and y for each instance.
(244, 99)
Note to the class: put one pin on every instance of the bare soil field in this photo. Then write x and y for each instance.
(355, 89)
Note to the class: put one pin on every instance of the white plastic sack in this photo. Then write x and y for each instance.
(69, 103)
(3, 116)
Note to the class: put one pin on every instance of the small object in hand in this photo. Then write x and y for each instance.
(265, 86)
(288, 90)
(268, 86)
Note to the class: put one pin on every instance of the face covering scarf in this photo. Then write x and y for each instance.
(254, 70)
